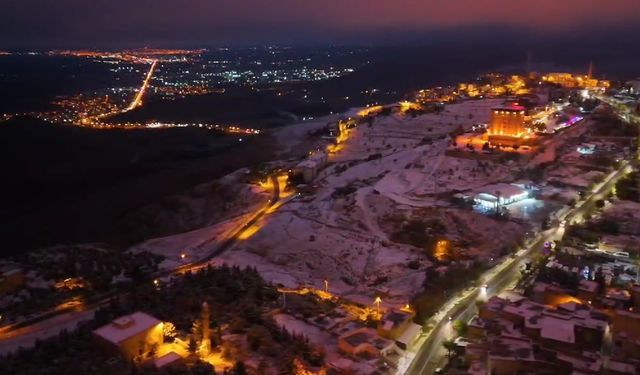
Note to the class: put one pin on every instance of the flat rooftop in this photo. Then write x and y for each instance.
(126, 326)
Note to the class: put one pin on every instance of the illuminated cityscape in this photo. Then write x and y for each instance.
(301, 189)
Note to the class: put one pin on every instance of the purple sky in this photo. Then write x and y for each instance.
(99, 22)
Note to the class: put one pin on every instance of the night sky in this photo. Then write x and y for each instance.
(104, 23)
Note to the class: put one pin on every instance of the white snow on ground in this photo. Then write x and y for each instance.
(195, 244)
(575, 177)
(338, 233)
(291, 137)
(439, 174)
(284, 251)
(227, 217)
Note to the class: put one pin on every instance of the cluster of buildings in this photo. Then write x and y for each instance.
(493, 85)
(570, 81)
(592, 327)
(514, 334)
(394, 333)
(486, 86)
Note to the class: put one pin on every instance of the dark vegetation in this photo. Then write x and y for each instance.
(439, 287)
(88, 271)
(421, 233)
(628, 187)
(238, 300)
(64, 184)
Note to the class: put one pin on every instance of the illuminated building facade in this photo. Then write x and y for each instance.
(568, 80)
(130, 335)
(507, 125)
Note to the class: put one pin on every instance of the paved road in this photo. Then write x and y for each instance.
(502, 277)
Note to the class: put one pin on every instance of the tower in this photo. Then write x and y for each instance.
(205, 345)
(590, 72)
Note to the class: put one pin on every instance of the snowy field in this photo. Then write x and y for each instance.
(340, 233)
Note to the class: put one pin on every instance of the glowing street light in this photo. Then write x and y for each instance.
(377, 301)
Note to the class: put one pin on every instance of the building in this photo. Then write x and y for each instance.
(492, 196)
(130, 335)
(399, 326)
(365, 342)
(307, 170)
(569, 81)
(394, 323)
(523, 336)
(506, 127)
(625, 330)
(634, 86)
(169, 360)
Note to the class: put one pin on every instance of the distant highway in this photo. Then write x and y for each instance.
(135, 103)
(137, 100)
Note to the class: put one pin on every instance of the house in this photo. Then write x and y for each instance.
(132, 336)
(587, 290)
(509, 355)
(309, 168)
(169, 360)
(625, 330)
(365, 342)
(394, 323)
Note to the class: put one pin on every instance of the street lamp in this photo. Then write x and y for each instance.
(377, 301)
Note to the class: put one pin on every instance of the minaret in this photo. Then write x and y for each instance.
(590, 72)
(205, 345)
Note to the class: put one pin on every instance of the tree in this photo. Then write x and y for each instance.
(169, 331)
(450, 346)
(239, 369)
(196, 328)
(262, 366)
(257, 336)
(460, 326)
(202, 368)
(193, 345)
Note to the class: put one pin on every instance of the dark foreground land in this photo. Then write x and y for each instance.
(63, 184)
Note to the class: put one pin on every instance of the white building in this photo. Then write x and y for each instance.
(634, 86)
(492, 196)
(130, 335)
(310, 167)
